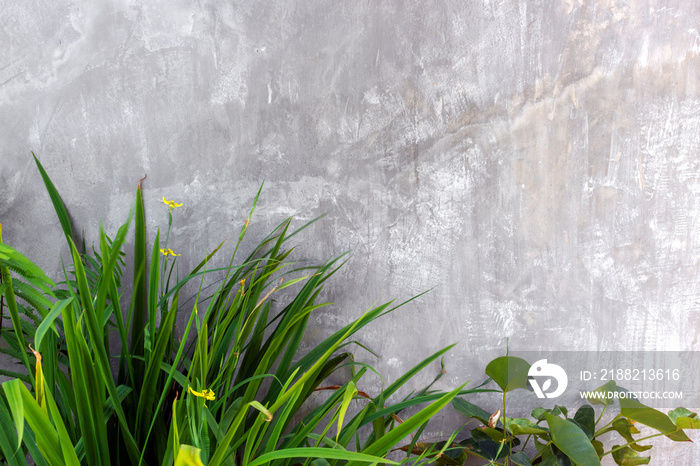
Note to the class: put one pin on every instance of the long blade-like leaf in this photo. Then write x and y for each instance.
(316, 452)
(47, 323)
(56, 200)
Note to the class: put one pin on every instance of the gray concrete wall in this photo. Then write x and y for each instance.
(534, 161)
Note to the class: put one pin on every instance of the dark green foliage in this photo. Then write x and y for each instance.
(228, 388)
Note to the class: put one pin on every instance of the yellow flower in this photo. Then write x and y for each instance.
(169, 252)
(171, 204)
(206, 394)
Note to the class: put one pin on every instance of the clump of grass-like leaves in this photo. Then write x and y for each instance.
(231, 396)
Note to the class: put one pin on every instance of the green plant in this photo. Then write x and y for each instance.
(558, 439)
(228, 389)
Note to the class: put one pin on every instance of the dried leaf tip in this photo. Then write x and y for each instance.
(37, 355)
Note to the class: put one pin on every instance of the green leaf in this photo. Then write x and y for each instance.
(688, 423)
(560, 456)
(606, 394)
(147, 394)
(14, 401)
(572, 441)
(188, 456)
(681, 412)
(449, 453)
(522, 426)
(47, 438)
(9, 295)
(651, 417)
(348, 396)
(508, 372)
(585, 417)
(47, 322)
(538, 413)
(316, 452)
(628, 457)
(86, 389)
(471, 410)
(496, 435)
(599, 447)
(69, 454)
(684, 418)
(58, 205)
(280, 422)
(550, 460)
(139, 296)
(520, 459)
(98, 380)
(153, 279)
(625, 428)
(484, 446)
(391, 438)
(8, 438)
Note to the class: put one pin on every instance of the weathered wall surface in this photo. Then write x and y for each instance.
(534, 161)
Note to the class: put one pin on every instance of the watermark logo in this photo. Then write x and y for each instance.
(543, 370)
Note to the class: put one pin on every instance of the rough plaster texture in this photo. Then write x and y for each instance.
(534, 161)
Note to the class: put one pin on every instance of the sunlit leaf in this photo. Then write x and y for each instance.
(508, 372)
(188, 456)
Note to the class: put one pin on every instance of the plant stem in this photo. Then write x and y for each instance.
(601, 414)
(164, 259)
(606, 425)
(505, 432)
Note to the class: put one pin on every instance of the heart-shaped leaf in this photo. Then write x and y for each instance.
(572, 441)
(681, 412)
(604, 395)
(684, 419)
(508, 372)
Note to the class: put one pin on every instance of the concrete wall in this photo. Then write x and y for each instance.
(534, 161)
